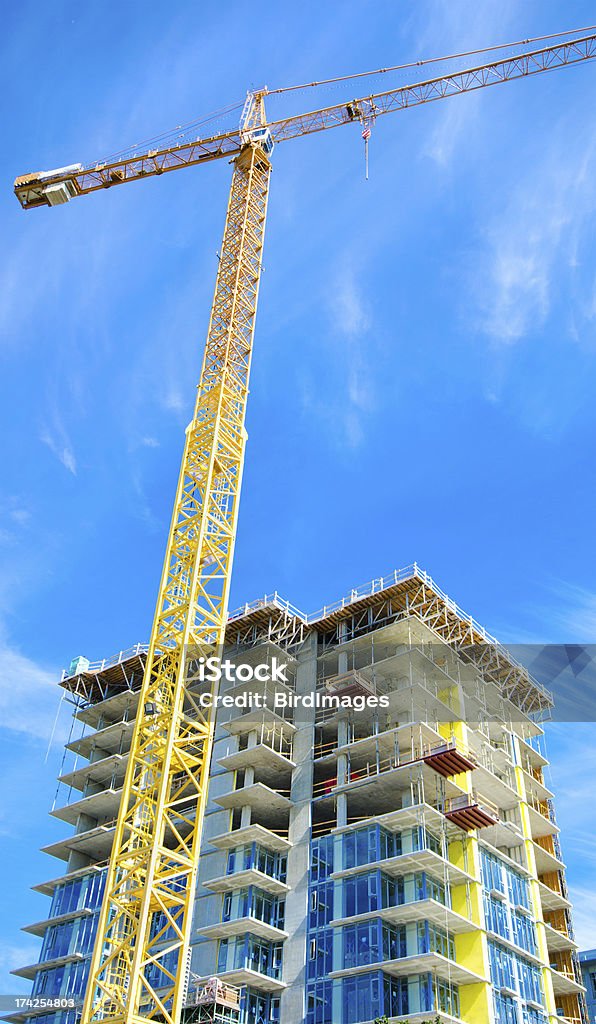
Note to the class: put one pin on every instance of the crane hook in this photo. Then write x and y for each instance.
(366, 133)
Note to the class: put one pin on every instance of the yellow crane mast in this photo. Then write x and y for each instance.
(145, 920)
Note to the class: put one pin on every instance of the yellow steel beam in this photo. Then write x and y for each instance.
(138, 966)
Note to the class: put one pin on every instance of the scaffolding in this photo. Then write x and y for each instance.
(211, 1002)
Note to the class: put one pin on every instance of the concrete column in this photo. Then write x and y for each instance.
(342, 769)
(342, 809)
(295, 952)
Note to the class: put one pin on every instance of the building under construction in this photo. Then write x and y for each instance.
(396, 855)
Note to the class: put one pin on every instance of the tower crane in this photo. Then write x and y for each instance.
(140, 958)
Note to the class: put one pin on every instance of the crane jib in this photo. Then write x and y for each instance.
(54, 188)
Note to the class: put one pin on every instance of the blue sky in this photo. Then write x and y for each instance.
(423, 375)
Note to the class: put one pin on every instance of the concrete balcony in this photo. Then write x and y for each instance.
(31, 970)
(101, 805)
(503, 837)
(539, 814)
(420, 963)
(113, 709)
(422, 1017)
(252, 834)
(267, 804)
(471, 811)
(534, 786)
(39, 927)
(409, 817)
(418, 910)
(254, 979)
(413, 737)
(99, 772)
(552, 899)
(530, 757)
(241, 925)
(47, 888)
(416, 860)
(380, 784)
(564, 982)
(270, 764)
(488, 749)
(249, 876)
(498, 788)
(558, 939)
(546, 861)
(251, 720)
(113, 739)
(95, 843)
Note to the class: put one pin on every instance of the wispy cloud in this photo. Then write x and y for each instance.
(14, 518)
(584, 915)
(173, 400)
(568, 748)
(454, 28)
(29, 695)
(15, 955)
(348, 309)
(57, 440)
(530, 242)
(566, 614)
(344, 410)
(575, 613)
(451, 129)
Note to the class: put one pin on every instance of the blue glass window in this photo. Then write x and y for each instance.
(524, 932)
(321, 858)
(530, 981)
(446, 997)
(368, 845)
(495, 916)
(361, 997)
(361, 893)
(505, 1009)
(492, 873)
(319, 1003)
(66, 981)
(66, 898)
(518, 889)
(432, 939)
(511, 971)
(321, 905)
(395, 996)
(532, 1016)
(320, 954)
(251, 952)
(260, 1007)
(254, 856)
(254, 902)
